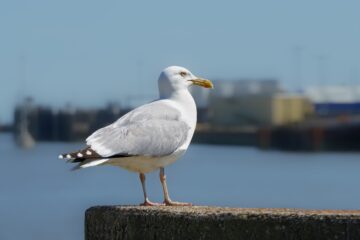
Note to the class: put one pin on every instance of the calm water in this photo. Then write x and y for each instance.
(41, 199)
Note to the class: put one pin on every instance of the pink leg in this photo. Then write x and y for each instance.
(147, 202)
(167, 200)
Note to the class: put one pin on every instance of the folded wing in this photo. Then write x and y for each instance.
(155, 129)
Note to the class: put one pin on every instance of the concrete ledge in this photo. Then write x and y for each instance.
(134, 222)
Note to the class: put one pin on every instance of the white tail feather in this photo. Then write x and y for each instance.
(94, 163)
(90, 164)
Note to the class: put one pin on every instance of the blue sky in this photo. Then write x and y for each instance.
(92, 52)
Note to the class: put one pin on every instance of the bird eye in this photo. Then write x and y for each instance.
(183, 74)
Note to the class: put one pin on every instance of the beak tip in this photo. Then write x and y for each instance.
(203, 83)
(210, 85)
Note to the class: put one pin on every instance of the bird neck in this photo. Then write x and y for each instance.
(184, 100)
(183, 96)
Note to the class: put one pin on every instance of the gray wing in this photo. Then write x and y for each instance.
(154, 129)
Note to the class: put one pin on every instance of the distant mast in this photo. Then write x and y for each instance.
(298, 68)
(23, 137)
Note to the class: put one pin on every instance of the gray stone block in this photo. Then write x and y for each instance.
(135, 222)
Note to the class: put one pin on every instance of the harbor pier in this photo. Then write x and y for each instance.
(200, 222)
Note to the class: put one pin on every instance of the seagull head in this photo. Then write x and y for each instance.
(175, 78)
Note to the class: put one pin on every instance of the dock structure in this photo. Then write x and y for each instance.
(199, 222)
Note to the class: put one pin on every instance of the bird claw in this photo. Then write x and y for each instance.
(149, 203)
(173, 203)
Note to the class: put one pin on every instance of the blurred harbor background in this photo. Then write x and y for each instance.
(245, 112)
(280, 129)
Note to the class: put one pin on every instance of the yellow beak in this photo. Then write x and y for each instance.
(202, 83)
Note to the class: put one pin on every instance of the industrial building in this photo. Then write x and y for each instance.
(259, 110)
(67, 124)
(255, 103)
(335, 100)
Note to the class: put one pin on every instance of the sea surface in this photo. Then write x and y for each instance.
(40, 198)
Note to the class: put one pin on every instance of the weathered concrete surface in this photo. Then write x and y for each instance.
(134, 222)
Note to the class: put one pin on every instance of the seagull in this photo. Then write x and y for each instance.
(149, 137)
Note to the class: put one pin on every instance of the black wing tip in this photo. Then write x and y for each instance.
(80, 155)
(85, 154)
(66, 156)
